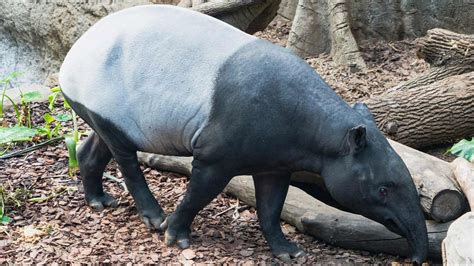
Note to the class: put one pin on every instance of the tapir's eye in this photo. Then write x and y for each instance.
(383, 191)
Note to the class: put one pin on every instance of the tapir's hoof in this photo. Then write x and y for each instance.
(178, 237)
(153, 220)
(101, 202)
(181, 240)
(287, 256)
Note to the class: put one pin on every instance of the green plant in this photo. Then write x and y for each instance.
(6, 82)
(3, 217)
(464, 148)
(25, 101)
(16, 134)
(71, 140)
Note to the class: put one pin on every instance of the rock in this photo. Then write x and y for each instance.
(35, 37)
(52, 80)
(458, 246)
(188, 254)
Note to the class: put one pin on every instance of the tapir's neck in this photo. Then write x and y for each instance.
(328, 119)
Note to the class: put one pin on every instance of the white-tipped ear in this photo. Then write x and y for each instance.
(354, 140)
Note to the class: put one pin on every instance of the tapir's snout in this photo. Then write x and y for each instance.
(418, 239)
(409, 222)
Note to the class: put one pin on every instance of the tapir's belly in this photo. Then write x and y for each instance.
(150, 71)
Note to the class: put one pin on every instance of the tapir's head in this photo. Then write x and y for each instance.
(369, 178)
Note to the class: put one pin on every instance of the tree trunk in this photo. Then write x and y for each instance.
(313, 33)
(464, 175)
(344, 49)
(288, 9)
(310, 34)
(458, 246)
(440, 198)
(336, 227)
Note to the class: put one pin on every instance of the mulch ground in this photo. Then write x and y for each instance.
(57, 226)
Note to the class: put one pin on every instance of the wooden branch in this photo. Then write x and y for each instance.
(440, 198)
(176, 164)
(464, 175)
(427, 115)
(336, 227)
(435, 74)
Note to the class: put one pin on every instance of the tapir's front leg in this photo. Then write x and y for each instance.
(206, 182)
(271, 190)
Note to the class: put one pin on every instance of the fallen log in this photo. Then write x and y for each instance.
(440, 199)
(336, 227)
(442, 47)
(458, 246)
(435, 107)
(464, 175)
(427, 115)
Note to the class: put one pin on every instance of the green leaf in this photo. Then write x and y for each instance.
(55, 89)
(71, 148)
(52, 99)
(63, 117)
(11, 76)
(16, 134)
(464, 149)
(48, 118)
(31, 96)
(66, 104)
(56, 129)
(5, 219)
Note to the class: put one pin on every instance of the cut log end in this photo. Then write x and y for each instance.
(447, 205)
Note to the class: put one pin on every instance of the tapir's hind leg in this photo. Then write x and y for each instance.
(93, 157)
(148, 208)
(270, 192)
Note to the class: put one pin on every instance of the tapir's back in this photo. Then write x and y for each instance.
(150, 71)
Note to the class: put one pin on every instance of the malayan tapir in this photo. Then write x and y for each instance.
(172, 81)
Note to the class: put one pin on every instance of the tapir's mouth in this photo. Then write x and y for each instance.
(419, 251)
(394, 226)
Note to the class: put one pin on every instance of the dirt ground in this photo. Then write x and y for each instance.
(51, 222)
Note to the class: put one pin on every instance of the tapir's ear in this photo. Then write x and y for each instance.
(354, 140)
(363, 109)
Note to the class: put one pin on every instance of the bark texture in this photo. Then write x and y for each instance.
(344, 49)
(458, 246)
(464, 175)
(288, 9)
(426, 115)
